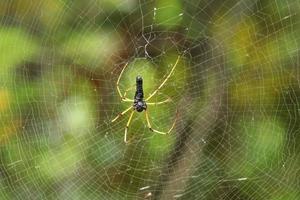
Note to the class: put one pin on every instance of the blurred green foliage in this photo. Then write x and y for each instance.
(59, 65)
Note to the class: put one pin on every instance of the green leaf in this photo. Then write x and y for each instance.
(16, 47)
(168, 13)
(61, 162)
(90, 49)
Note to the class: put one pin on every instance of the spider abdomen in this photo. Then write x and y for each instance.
(139, 93)
(139, 104)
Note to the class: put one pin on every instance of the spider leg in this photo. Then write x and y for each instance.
(121, 114)
(131, 88)
(160, 132)
(162, 84)
(123, 98)
(160, 102)
(127, 126)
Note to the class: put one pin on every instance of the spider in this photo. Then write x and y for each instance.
(140, 103)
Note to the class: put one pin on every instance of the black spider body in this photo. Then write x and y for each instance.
(139, 104)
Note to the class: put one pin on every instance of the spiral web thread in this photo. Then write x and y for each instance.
(236, 89)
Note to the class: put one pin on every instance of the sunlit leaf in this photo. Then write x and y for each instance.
(16, 47)
(91, 49)
(60, 162)
(168, 13)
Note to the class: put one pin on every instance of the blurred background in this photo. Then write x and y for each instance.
(236, 89)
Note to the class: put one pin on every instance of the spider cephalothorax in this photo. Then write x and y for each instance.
(139, 106)
(139, 103)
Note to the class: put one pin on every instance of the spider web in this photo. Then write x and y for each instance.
(236, 91)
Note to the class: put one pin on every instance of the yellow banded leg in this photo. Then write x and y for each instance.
(162, 84)
(121, 114)
(156, 131)
(160, 102)
(127, 126)
(123, 98)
